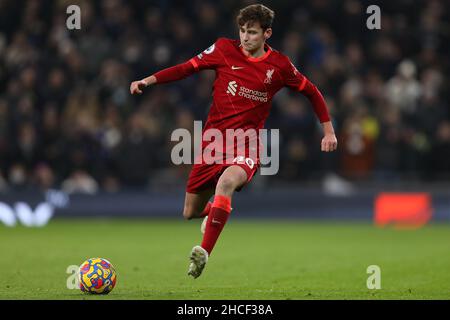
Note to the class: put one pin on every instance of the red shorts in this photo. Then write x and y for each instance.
(205, 176)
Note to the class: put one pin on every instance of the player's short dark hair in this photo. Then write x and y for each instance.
(256, 13)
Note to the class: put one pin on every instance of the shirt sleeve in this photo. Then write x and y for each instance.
(293, 78)
(318, 102)
(210, 58)
(178, 72)
(298, 82)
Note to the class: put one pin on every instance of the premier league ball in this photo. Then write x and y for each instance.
(97, 276)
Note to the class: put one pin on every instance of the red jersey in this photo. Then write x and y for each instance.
(244, 86)
(243, 90)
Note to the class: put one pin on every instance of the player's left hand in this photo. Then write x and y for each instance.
(329, 143)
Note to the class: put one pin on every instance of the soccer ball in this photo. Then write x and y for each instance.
(97, 275)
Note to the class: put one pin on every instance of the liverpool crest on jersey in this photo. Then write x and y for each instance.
(269, 74)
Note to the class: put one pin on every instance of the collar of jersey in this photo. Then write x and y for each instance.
(264, 56)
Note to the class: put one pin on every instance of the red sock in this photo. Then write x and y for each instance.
(218, 216)
(205, 211)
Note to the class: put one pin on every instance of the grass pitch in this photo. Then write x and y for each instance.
(257, 259)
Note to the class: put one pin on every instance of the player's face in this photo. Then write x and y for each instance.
(253, 37)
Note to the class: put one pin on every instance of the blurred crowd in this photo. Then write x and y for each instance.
(67, 119)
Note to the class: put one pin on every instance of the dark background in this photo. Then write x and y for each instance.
(67, 120)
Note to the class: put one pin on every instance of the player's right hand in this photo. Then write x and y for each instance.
(136, 87)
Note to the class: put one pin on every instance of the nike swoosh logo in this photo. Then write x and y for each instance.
(216, 221)
(236, 68)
